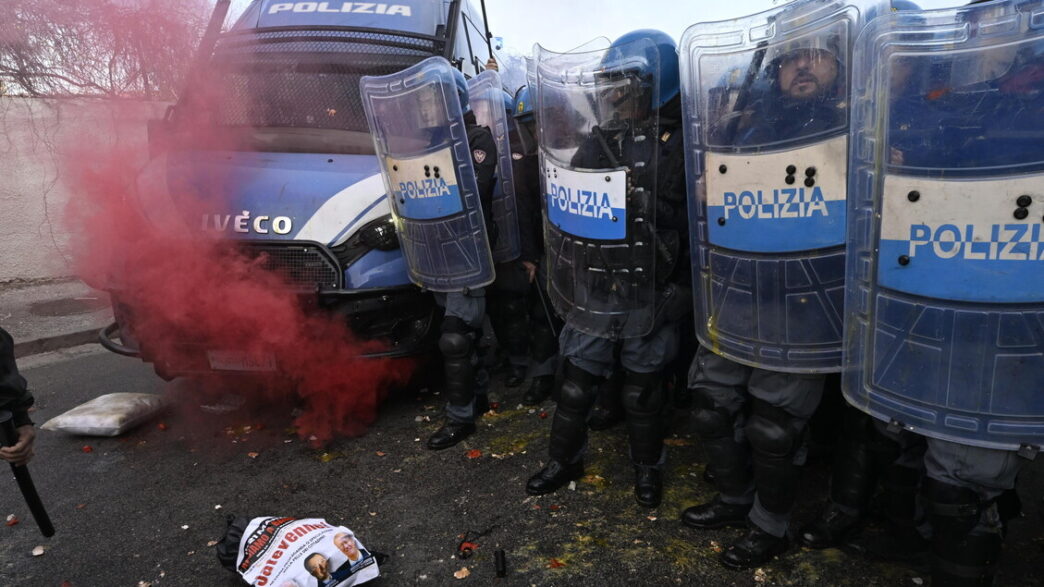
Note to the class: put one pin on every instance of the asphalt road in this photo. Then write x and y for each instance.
(144, 507)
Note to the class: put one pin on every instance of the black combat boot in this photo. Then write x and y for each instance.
(648, 485)
(539, 390)
(716, 514)
(962, 556)
(644, 400)
(775, 437)
(458, 355)
(753, 550)
(730, 463)
(450, 434)
(851, 486)
(553, 477)
(568, 432)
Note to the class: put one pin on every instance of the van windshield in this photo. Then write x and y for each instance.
(275, 97)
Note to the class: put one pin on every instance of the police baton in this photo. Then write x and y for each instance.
(489, 37)
(543, 302)
(9, 437)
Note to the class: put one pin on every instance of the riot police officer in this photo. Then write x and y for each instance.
(416, 117)
(768, 257)
(544, 324)
(939, 344)
(868, 453)
(613, 175)
(467, 380)
(506, 297)
(510, 292)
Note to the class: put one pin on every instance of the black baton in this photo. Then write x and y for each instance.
(9, 437)
(543, 302)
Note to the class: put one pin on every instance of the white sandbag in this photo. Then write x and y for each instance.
(108, 415)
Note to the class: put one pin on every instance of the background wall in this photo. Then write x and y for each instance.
(33, 195)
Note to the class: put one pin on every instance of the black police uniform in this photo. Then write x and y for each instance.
(592, 358)
(510, 292)
(466, 379)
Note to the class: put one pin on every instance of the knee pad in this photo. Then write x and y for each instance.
(953, 510)
(455, 344)
(577, 391)
(643, 392)
(712, 421)
(771, 431)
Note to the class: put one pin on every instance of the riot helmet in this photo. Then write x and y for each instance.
(624, 52)
(647, 57)
(525, 120)
(523, 107)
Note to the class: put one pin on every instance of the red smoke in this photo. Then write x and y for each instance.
(185, 288)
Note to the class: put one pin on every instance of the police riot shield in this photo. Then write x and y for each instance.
(595, 44)
(420, 139)
(766, 126)
(487, 102)
(945, 296)
(598, 157)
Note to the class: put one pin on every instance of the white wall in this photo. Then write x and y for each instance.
(32, 192)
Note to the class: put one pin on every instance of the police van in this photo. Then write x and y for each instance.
(303, 187)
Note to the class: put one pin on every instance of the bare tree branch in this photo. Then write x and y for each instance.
(132, 48)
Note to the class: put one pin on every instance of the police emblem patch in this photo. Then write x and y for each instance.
(479, 155)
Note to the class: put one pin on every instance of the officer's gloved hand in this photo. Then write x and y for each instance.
(531, 270)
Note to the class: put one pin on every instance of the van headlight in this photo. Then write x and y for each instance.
(380, 234)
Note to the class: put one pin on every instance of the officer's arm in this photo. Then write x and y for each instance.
(526, 206)
(14, 393)
(671, 200)
(484, 158)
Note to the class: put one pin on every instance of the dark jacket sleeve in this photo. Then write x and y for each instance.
(14, 392)
(672, 198)
(672, 218)
(528, 207)
(484, 159)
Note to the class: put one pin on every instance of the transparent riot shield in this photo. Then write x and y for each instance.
(766, 120)
(945, 297)
(595, 44)
(487, 102)
(599, 150)
(419, 136)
